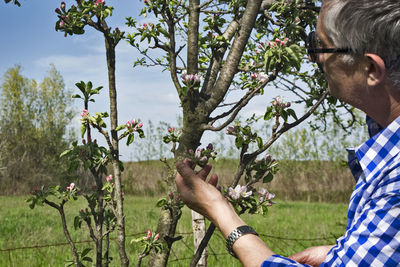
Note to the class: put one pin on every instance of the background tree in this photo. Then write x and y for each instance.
(34, 121)
(212, 47)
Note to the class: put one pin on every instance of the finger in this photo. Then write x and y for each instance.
(185, 170)
(213, 180)
(203, 173)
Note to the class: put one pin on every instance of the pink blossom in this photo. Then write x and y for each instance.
(191, 151)
(140, 125)
(84, 112)
(68, 188)
(203, 159)
(190, 77)
(157, 237)
(198, 153)
(109, 177)
(99, 2)
(72, 186)
(238, 192)
(171, 129)
(262, 77)
(272, 44)
(231, 130)
(144, 26)
(253, 75)
(147, 237)
(62, 23)
(123, 193)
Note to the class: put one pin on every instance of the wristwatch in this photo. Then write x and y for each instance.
(235, 234)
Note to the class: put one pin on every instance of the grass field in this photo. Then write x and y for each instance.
(289, 227)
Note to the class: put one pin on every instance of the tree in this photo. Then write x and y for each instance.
(33, 129)
(232, 44)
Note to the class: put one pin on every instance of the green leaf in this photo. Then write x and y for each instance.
(269, 113)
(268, 178)
(83, 130)
(66, 152)
(85, 252)
(120, 127)
(161, 202)
(292, 113)
(77, 222)
(129, 139)
(259, 142)
(239, 142)
(76, 96)
(87, 259)
(284, 115)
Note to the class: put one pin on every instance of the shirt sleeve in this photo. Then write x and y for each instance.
(373, 239)
(280, 261)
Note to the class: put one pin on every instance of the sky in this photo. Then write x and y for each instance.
(29, 39)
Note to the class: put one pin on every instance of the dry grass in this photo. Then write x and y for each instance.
(297, 180)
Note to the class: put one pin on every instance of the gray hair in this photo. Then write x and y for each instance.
(366, 26)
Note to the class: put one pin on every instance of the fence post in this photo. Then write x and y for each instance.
(199, 231)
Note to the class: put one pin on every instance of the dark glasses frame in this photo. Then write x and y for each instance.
(313, 50)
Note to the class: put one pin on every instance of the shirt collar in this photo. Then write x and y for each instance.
(377, 151)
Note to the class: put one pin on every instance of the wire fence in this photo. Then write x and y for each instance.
(279, 243)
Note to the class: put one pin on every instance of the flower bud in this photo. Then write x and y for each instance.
(148, 234)
(203, 159)
(210, 147)
(62, 6)
(157, 237)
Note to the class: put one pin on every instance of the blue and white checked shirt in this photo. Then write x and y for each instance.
(372, 235)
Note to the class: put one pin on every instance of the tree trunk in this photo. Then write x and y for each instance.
(110, 52)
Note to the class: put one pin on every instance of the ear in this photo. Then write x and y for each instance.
(376, 69)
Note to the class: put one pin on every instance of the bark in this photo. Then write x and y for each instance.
(60, 209)
(193, 36)
(110, 53)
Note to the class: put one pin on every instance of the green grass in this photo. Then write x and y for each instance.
(23, 227)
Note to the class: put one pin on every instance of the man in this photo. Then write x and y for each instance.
(359, 52)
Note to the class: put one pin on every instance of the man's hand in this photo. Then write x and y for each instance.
(195, 191)
(313, 256)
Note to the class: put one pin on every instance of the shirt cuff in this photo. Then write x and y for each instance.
(280, 261)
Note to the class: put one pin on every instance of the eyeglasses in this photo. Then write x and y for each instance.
(313, 49)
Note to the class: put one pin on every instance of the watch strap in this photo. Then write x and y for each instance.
(235, 235)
